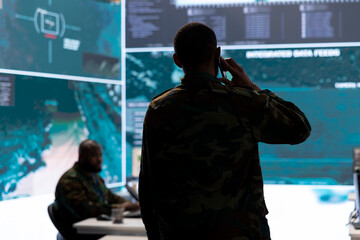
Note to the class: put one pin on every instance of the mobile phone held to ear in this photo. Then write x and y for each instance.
(223, 73)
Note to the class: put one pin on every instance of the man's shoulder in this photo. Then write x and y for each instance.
(162, 98)
(234, 90)
(162, 94)
(70, 175)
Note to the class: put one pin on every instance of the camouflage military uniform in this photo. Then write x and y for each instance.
(200, 169)
(79, 196)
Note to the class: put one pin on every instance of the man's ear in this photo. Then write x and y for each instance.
(177, 61)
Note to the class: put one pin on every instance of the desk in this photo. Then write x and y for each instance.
(354, 233)
(131, 226)
(114, 237)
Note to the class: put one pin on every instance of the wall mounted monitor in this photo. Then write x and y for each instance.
(61, 38)
(43, 121)
(306, 52)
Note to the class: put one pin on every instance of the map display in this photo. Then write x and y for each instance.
(41, 130)
(61, 37)
(306, 51)
(323, 82)
(61, 70)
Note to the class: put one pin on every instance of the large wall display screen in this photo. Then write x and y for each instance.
(61, 37)
(60, 83)
(307, 52)
(42, 122)
(154, 23)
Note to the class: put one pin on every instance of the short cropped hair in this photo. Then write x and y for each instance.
(194, 44)
(88, 148)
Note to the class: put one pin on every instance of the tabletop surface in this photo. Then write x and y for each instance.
(114, 237)
(353, 231)
(130, 226)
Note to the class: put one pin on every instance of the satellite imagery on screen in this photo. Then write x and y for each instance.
(315, 84)
(306, 52)
(78, 38)
(41, 129)
(43, 119)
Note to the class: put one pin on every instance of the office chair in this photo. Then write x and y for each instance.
(55, 222)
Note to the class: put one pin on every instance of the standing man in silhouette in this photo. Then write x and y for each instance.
(200, 172)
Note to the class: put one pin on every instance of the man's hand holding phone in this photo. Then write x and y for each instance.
(239, 76)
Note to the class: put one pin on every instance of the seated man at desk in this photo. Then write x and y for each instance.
(81, 193)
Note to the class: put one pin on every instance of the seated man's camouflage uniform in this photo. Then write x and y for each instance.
(200, 174)
(79, 196)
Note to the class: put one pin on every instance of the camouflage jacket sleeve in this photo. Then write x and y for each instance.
(146, 193)
(82, 199)
(277, 121)
(113, 198)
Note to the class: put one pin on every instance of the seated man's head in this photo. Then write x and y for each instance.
(90, 156)
(196, 48)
